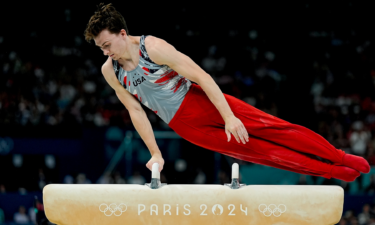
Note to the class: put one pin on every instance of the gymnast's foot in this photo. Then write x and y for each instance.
(344, 173)
(356, 162)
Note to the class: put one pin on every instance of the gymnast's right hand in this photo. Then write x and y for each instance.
(156, 158)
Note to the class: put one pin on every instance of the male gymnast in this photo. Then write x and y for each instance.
(148, 70)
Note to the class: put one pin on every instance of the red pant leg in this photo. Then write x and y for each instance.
(198, 121)
(268, 127)
(256, 150)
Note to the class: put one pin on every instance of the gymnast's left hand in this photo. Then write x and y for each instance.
(234, 126)
(156, 158)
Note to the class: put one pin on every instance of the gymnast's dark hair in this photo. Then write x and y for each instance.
(106, 17)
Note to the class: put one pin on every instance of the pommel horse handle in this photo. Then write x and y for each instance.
(235, 184)
(155, 171)
(235, 171)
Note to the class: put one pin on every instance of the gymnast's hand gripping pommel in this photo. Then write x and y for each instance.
(155, 179)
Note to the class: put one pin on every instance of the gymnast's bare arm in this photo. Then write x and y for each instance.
(137, 114)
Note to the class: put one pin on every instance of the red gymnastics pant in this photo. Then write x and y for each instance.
(272, 141)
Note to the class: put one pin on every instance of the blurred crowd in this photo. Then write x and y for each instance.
(346, 116)
(341, 75)
(366, 217)
(32, 95)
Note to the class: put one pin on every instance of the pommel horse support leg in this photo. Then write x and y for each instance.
(157, 203)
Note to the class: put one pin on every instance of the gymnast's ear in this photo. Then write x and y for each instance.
(123, 33)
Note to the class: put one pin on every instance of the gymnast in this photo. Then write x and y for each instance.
(148, 70)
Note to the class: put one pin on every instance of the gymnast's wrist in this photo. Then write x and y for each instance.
(156, 153)
(226, 118)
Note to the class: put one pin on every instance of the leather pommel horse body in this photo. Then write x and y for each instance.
(101, 204)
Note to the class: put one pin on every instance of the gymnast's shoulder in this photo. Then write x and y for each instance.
(159, 50)
(109, 74)
(107, 66)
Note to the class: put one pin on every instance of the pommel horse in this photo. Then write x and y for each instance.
(159, 203)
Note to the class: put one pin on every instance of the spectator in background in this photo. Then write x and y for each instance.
(22, 190)
(117, 178)
(354, 221)
(20, 217)
(137, 178)
(200, 178)
(82, 179)
(211, 63)
(106, 178)
(364, 216)
(32, 215)
(372, 221)
(68, 179)
(348, 215)
(359, 138)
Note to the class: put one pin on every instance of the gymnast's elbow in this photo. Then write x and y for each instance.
(204, 78)
(128, 100)
(137, 112)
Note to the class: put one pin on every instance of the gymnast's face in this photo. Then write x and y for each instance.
(113, 45)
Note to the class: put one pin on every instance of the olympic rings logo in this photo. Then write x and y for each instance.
(113, 209)
(272, 209)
